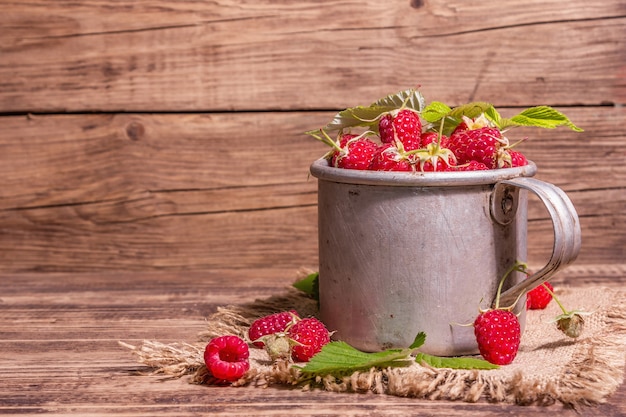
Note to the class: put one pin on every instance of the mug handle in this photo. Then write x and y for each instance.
(565, 222)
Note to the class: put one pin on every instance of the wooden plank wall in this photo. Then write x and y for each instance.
(156, 134)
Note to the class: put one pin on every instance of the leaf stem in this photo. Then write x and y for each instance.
(517, 266)
(555, 298)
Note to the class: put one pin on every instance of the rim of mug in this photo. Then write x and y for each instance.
(321, 170)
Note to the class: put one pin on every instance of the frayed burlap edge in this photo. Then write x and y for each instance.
(595, 372)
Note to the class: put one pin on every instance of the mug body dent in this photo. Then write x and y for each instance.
(403, 254)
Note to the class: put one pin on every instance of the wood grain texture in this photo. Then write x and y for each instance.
(218, 177)
(153, 151)
(145, 191)
(223, 56)
(59, 338)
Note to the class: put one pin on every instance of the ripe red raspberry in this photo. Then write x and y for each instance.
(539, 297)
(270, 324)
(482, 145)
(467, 123)
(226, 357)
(356, 153)
(385, 129)
(403, 129)
(472, 166)
(440, 166)
(389, 158)
(432, 137)
(308, 336)
(498, 335)
(517, 158)
(461, 126)
(432, 158)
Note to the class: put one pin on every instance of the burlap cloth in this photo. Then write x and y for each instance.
(549, 368)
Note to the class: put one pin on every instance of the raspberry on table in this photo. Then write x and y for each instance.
(226, 357)
(308, 336)
(270, 324)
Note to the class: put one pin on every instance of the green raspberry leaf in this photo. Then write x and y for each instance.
(419, 340)
(471, 110)
(540, 116)
(309, 285)
(368, 116)
(359, 116)
(411, 99)
(493, 115)
(435, 111)
(341, 358)
(454, 363)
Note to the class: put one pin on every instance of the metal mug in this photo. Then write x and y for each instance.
(405, 252)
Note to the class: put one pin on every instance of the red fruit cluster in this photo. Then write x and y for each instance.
(287, 336)
(283, 335)
(402, 145)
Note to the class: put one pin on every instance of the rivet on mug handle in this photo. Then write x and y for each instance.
(504, 201)
(567, 235)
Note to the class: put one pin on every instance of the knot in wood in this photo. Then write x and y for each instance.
(135, 130)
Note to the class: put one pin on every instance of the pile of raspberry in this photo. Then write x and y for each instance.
(284, 335)
(401, 145)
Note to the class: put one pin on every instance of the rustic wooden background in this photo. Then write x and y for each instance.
(160, 134)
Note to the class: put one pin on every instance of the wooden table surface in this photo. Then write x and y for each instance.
(60, 355)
